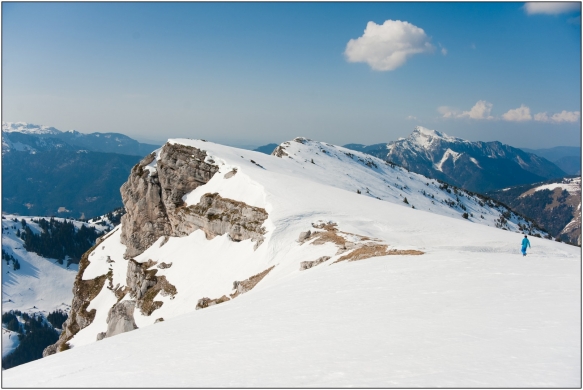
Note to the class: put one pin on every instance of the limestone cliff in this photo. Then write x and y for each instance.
(152, 198)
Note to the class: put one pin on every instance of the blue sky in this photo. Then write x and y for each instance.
(253, 73)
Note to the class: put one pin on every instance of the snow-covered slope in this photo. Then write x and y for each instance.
(434, 300)
(32, 284)
(41, 284)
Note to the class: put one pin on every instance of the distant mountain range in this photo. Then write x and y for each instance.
(568, 158)
(21, 136)
(66, 174)
(475, 166)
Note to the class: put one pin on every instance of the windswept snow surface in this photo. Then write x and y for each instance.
(470, 312)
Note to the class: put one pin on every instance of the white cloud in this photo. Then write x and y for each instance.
(448, 112)
(473, 46)
(551, 8)
(563, 116)
(411, 117)
(388, 46)
(481, 110)
(519, 114)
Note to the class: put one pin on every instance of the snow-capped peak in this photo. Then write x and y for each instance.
(28, 128)
(424, 137)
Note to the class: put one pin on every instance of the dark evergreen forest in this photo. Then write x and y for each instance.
(59, 240)
(35, 335)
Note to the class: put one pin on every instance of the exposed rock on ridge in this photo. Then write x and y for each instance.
(216, 216)
(150, 196)
(84, 291)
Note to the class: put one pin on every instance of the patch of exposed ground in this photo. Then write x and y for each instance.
(359, 247)
(368, 251)
(240, 287)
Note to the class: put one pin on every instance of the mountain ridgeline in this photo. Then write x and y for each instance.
(20, 136)
(219, 201)
(475, 166)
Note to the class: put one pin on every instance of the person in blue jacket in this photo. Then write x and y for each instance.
(525, 244)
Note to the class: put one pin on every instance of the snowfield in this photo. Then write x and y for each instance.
(468, 312)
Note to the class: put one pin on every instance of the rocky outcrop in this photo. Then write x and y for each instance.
(120, 319)
(143, 285)
(248, 284)
(240, 287)
(151, 195)
(139, 279)
(84, 291)
(304, 265)
(154, 206)
(153, 200)
(216, 216)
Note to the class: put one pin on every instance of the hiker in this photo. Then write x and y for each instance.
(525, 244)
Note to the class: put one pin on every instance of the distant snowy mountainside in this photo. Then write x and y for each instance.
(476, 166)
(28, 128)
(21, 136)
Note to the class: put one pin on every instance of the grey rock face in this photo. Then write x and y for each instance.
(145, 220)
(154, 209)
(120, 318)
(216, 216)
(150, 197)
(138, 279)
